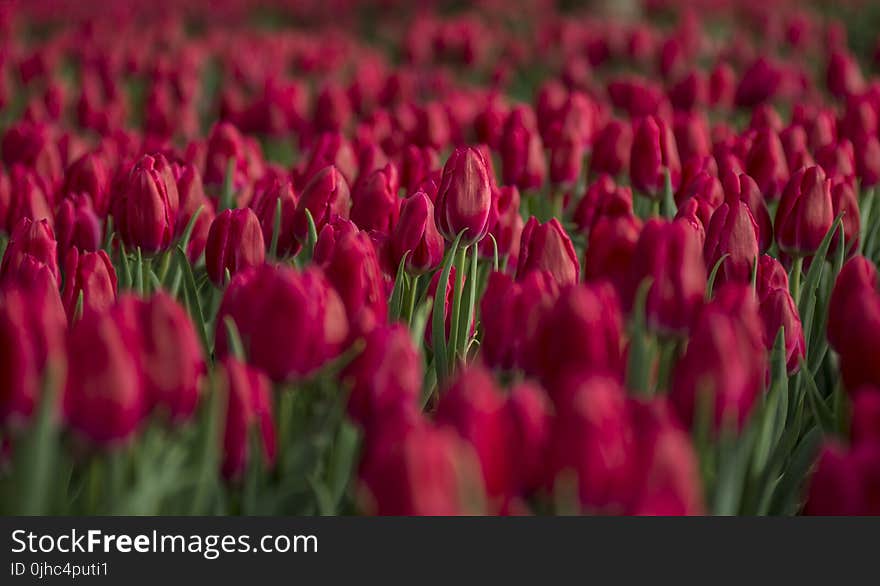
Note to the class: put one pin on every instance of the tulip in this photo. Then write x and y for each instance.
(724, 365)
(235, 243)
(794, 144)
(603, 198)
(732, 232)
(865, 416)
(329, 149)
(505, 225)
(843, 75)
(868, 161)
(722, 84)
(416, 165)
(27, 196)
(611, 150)
(354, 272)
(805, 212)
(464, 197)
(837, 160)
(511, 313)
(857, 279)
(77, 224)
(845, 201)
(191, 194)
(758, 84)
(90, 175)
(105, 399)
(172, 356)
(522, 152)
(669, 254)
(766, 163)
(90, 274)
(610, 250)
(594, 443)
(475, 408)
(329, 235)
(417, 234)
(844, 481)
(747, 191)
(32, 329)
(691, 132)
(778, 310)
(653, 154)
(30, 240)
(531, 420)
(375, 203)
(265, 204)
(385, 378)
(580, 334)
(566, 160)
(145, 213)
(290, 323)
(326, 197)
(419, 469)
(248, 406)
(547, 247)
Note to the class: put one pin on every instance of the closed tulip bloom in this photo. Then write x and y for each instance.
(329, 149)
(692, 213)
(505, 225)
(30, 240)
(248, 407)
(464, 197)
(329, 235)
(90, 175)
(766, 163)
(857, 278)
(32, 344)
(653, 154)
(326, 197)
(748, 192)
(547, 247)
(354, 272)
(566, 160)
(522, 152)
(173, 364)
(77, 224)
(582, 333)
(868, 161)
(145, 213)
(845, 201)
(725, 361)
(611, 150)
(794, 144)
(105, 400)
(758, 84)
(722, 85)
(265, 205)
(669, 254)
(603, 198)
(375, 203)
(843, 76)
(416, 164)
(610, 251)
(385, 378)
(291, 323)
(90, 274)
(844, 482)
(865, 415)
(805, 212)
(691, 133)
(778, 310)
(416, 468)
(732, 232)
(191, 195)
(594, 440)
(27, 196)
(235, 243)
(531, 415)
(417, 233)
(475, 407)
(838, 160)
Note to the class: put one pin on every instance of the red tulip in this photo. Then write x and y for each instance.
(375, 202)
(235, 243)
(30, 240)
(653, 154)
(805, 212)
(464, 197)
(326, 197)
(417, 233)
(547, 247)
(265, 204)
(145, 213)
(90, 274)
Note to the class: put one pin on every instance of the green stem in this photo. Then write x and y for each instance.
(454, 334)
(796, 270)
(411, 299)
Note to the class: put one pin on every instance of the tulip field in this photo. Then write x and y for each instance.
(525, 257)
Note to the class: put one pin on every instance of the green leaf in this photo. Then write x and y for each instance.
(710, 284)
(669, 207)
(276, 230)
(639, 363)
(395, 304)
(438, 317)
(823, 415)
(309, 249)
(235, 344)
(192, 298)
(470, 298)
(494, 252)
(227, 194)
(139, 272)
(816, 266)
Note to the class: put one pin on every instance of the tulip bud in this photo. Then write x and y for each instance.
(837, 160)
(172, 356)
(30, 240)
(464, 197)
(531, 414)
(248, 405)
(669, 254)
(375, 203)
(766, 163)
(844, 201)
(290, 323)
(778, 310)
(857, 278)
(386, 377)
(326, 197)
(77, 225)
(475, 408)
(28, 197)
(603, 198)
(566, 160)
(843, 75)
(547, 247)
(612, 149)
(691, 133)
(522, 152)
(722, 83)
(353, 270)
(732, 232)
(758, 84)
(510, 313)
(805, 212)
(90, 274)
(653, 153)
(105, 398)
(505, 224)
(610, 251)
(593, 438)
(235, 243)
(329, 235)
(725, 362)
(329, 149)
(417, 233)
(580, 334)
(265, 205)
(868, 161)
(89, 175)
(145, 213)
(416, 165)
